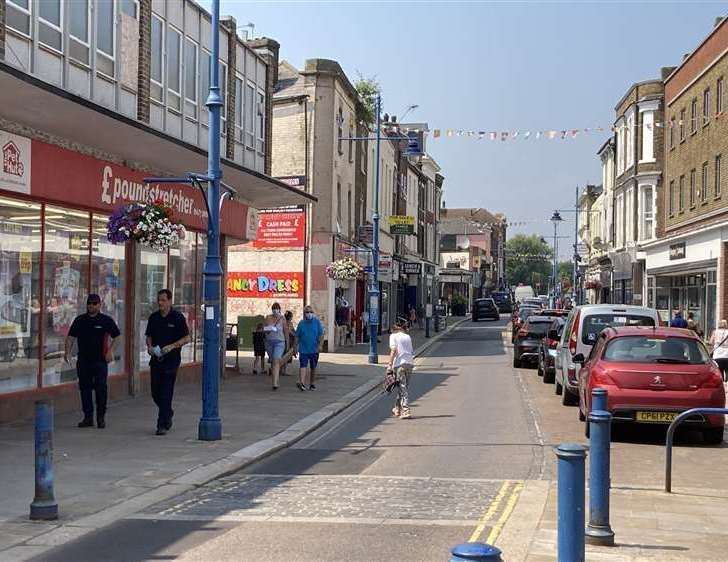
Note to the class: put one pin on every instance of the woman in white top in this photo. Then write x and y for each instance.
(719, 343)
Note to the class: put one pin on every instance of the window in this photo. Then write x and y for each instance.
(719, 96)
(704, 184)
(717, 175)
(351, 142)
(249, 116)
(672, 133)
(105, 37)
(620, 220)
(682, 124)
(21, 312)
(157, 76)
(174, 69)
(204, 78)
(694, 115)
(647, 145)
(594, 324)
(128, 7)
(338, 204)
(78, 40)
(191, 78)
(349, 224)
(692, 188)
(109, 281)
(17, 16)
(706, 106)
(261, 122)
(681, 195)
(239, 117)
(222, 84)
(340, 130)
(671, 198)
(66, 271)
(50, 33)
(644, 349)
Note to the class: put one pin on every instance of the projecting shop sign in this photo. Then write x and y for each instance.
(411, 268)
(402, 224)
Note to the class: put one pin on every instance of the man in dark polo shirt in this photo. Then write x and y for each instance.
(166, 333)
(97, 335)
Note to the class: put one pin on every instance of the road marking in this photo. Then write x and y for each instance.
(239, 518)
(498, 527)
(488, 514)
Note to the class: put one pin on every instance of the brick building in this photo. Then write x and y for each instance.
(95, 96)
(686, 267)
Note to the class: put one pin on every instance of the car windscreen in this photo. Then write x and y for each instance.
(648, 349)
(537, 328)
(595, 323)
(524, 313)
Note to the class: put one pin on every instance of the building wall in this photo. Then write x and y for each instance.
(702, 146)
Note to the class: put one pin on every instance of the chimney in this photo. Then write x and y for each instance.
(685, 56)
(718, 21)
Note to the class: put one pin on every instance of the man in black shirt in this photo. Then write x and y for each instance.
(166, 333)
(97, 335)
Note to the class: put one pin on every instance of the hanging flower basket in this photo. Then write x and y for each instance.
(343, 269)
(150, 224)
(593, 284)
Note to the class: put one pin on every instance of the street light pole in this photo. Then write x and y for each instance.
(576, 248)
(374, 286)
(210, 425)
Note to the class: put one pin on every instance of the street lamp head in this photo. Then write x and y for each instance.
(556, 217)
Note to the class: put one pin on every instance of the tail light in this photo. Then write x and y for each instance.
(523, 333)
(553, 344)
(573, 337)
(571, 373)
(714, 381)
(599, 377)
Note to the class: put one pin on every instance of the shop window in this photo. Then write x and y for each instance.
(199, 318)
(66, 285)
(20, 227)
(108, 280)
(150, 279)
(182, 283)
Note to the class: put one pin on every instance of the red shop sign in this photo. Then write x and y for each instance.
(76, 179)
(285, 284)
(284, 227)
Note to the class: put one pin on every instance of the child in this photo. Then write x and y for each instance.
(259, 348)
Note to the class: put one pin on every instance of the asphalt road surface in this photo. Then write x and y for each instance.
(366, 486)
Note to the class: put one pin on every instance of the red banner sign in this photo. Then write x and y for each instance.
(281, 228)
(284, 284)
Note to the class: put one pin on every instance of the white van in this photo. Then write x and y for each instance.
(523, 291)
(583, 326)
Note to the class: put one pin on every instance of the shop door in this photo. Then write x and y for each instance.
(411, 298)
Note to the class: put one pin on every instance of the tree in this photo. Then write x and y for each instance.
(368, 89)
(566, 273)
(528, 261)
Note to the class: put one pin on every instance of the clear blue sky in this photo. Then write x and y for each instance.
(496, 66)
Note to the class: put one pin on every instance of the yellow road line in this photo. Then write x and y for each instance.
(488, 514)
(498, 527)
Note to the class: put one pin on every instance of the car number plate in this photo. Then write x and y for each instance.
(656, 417)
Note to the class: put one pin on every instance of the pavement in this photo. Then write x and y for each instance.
(102, 476)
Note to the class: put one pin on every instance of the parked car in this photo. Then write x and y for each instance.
(485, 308)
(503, 301)
(528, 340)
(548, 350)
(583, 326)
(523, 291)
(535, 301)
(651, 375)
(520, 318)
(556, 312)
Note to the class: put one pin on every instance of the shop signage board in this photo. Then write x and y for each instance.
(411, 268)
(299, 182)
(366, 233)
(16, 168)
(283, 227)
(401, 225)
(677, 251)
(279, 284)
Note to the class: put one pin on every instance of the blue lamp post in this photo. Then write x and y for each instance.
(210, 424)
(374, 286)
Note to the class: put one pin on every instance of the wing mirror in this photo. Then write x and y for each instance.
(578, 358)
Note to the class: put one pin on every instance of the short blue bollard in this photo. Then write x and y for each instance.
(571, 502)
(598, 531)
(44, 506)
(475, 552)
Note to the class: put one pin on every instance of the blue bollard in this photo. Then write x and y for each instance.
(571, 502)
(598, 531)
(475, 552)
(44, 506)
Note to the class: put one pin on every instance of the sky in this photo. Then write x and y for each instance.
(496, 66)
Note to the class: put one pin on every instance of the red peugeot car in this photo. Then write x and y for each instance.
(651, 375)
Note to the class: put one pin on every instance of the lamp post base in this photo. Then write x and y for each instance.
(599, 535)
(373, 358)
(44, 510)
(209, 429)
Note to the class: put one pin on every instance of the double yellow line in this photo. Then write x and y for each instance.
(509, 488)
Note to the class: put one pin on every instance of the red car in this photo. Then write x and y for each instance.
(651, 375)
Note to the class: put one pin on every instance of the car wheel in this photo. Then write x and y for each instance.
(558, 389)
(713, 436)
(548, 378)
(539, 369)
(567, 397)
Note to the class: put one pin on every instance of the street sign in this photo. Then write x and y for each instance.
(402, 224)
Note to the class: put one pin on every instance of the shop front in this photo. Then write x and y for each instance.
(54, 207)
(682, 274)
